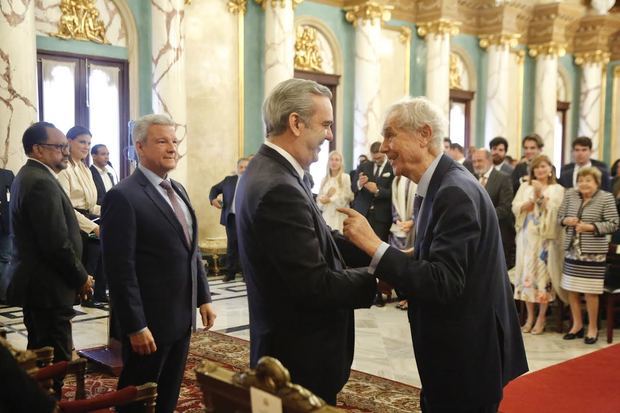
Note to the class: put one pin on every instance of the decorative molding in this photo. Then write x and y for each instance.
(439, 27)
(520, 56)
(275, 3)
(597, 56)
(237, 6)
(557, 49)
(455, 76)
(307, 54)
(405, 34)
(80, 20)
(508, 40)
(368, 12)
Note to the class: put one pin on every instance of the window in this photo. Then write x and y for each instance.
(559, 140)
(87, 91)
(460, 117)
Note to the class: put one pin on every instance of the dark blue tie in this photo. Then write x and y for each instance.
(417, 203)
(306, 180)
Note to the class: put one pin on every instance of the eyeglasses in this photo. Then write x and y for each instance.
(61, 147)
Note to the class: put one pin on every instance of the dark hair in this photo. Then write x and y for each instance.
(447, 140)
(534, 137)
(35, 134)
(76, 131)
(374, 148)
(362, 156)
(95, 149)
(498, 141)
(457, 147)
(582, 141)
(614, 168)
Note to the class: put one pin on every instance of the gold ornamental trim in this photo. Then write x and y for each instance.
(371, 11)
(455, 77)
(508, 40)
(237, 6)
(307, 53)
(405, 34)
(551, 48)
(597, 56)
(275, 3)
(439, 27)
(80, 20)
(520, 56)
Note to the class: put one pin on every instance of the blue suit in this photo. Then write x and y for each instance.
(226, 187)
(466, 335)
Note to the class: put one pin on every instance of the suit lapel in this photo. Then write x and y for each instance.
(178, 189)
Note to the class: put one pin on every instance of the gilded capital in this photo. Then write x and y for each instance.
(557, 49)
(237, 6)
(405, 34)
(508, 40)
(275, 3)
(520, 55)
(439, 27)
(371, 11)
(597, 56)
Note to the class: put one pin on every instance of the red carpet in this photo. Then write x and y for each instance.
(589, 383)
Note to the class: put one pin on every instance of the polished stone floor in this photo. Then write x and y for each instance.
(383, 342)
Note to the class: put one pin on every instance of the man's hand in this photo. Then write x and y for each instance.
(143, 343)
(371, 186)
(86, 291)
(208, 315)
(96, 231)
(217, 203)
(362, 180)
(358, 231)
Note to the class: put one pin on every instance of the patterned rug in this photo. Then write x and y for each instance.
(364, 393)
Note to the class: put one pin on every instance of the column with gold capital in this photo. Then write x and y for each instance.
(498, 54)
(279, 41)
(437, 36)
(367, 19)
(590, 109)
(545, 105)
(18, 79)
(168, 53)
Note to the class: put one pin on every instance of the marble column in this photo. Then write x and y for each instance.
(18, 79)
(498, 85)
(279, 42)
(545, 107)
(367, 104)
(168, 51)
(590, 100)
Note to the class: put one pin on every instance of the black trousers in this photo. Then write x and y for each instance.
(92, 260)
(428, 408)
(164, 367)
(232, 248)
(51, 327)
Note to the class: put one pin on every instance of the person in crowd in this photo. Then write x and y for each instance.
(77, 181)
(335, 192)
(532, 146)
(150, 252)
(446, 145)
(582, 152)
(301, 296)
(511, 161)
(102, 173)
(470, 152)
(46, 272)
(458, 154)
(538, 251)
(588, 214)
(6, 180)
(499, 187)
(373, 197)
(615, 178)
(360, 160)
(499, 151)
(463, 319)
(222, 196)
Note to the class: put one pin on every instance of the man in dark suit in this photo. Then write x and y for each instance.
(354, 172)
(464, 325)
(222, 196)
(301, 297)
(149, 237)
(582, 152)
(102, 175)
(6, 179)
(457, 153)
(499, 188)
(46, 273)
(532, 146)
(499, 150)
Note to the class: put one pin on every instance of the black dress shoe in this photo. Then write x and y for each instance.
(228, 279)
(572, 336)
(378, 301)
(590, 340)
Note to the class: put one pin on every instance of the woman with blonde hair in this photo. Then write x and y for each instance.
(335, 191)
(588, 214)
(538, 257)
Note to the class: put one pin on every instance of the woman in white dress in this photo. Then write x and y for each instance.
(539, 255)
(335, 192)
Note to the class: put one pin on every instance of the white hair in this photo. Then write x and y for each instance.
(141, 126)
(411, 114)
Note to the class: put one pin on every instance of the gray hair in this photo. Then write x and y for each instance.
(486, 152)
(413, 113)
(141, 126)
(292, 95)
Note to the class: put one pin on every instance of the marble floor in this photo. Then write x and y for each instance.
(382, 347)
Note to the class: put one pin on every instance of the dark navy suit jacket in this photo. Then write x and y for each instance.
(99, 183)
(466, 335)
(364, 199)
(226, 187)
(6, 179)
(301, 297)
(566, 175)
(156, 280)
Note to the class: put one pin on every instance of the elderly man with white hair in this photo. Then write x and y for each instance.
(466, 335)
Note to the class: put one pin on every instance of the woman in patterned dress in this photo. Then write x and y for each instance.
(538, 256)
(588, 215)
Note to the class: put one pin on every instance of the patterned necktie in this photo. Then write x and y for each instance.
(483, 181)
(178, 211)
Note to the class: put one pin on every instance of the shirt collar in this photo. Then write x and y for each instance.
(152, 176)
(54, 174)
(426, 177)
(487, 174)
(102, 171)
(288, 157)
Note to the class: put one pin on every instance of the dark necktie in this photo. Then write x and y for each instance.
(111, 178)
(178, 211)
(306, 180)
(417, 203)
(377, 169)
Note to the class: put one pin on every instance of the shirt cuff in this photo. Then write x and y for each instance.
(377, 257)
(137, 332)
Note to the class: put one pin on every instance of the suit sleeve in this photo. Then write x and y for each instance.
(216, 190)
(45, 211)
(441, 278)
(284, 222)
(504, 204)
(118, 242)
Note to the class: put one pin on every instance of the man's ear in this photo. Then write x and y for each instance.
(295, 122)
(426, 133)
